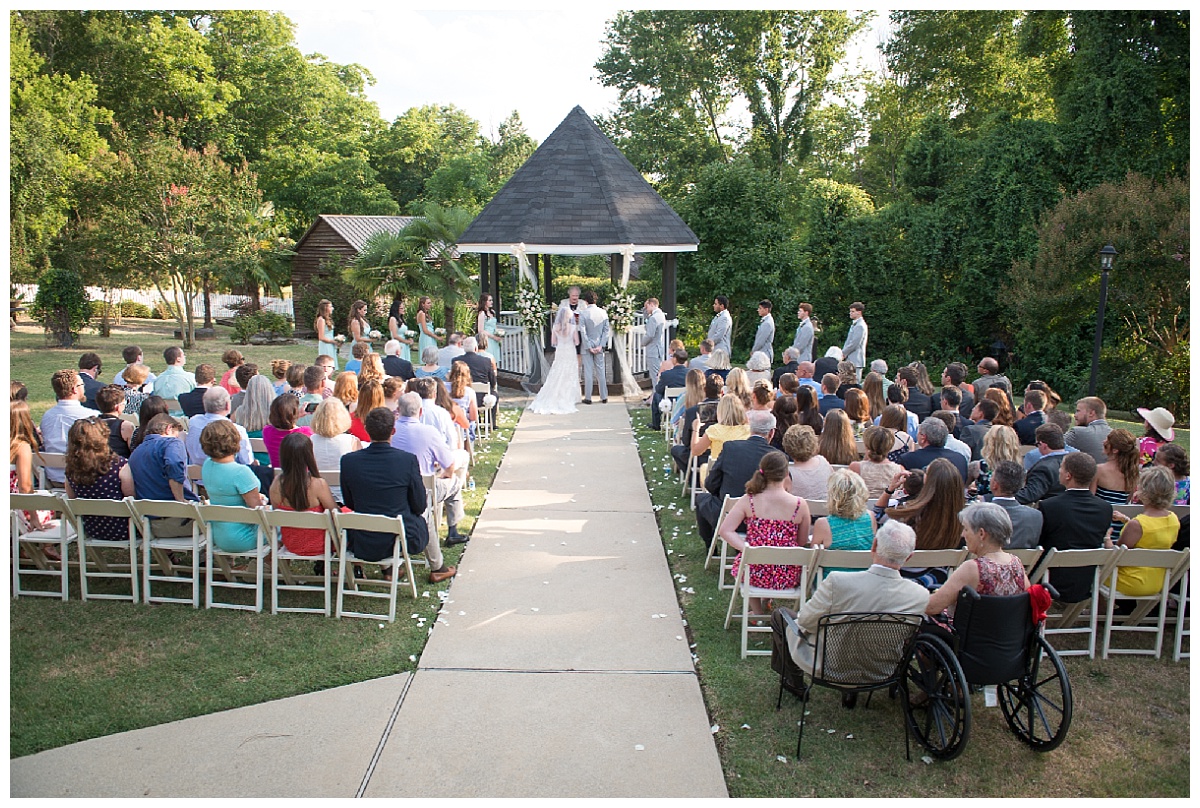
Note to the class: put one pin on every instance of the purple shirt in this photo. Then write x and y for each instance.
(423, 441)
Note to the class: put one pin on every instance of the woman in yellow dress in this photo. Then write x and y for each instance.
(1155, 528)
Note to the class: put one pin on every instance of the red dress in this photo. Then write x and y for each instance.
(771, 533)
(307, 541)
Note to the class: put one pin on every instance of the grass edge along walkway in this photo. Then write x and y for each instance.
(1129, 738)
(84, 670)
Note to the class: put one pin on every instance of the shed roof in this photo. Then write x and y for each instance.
(357, 229)
(576, 195)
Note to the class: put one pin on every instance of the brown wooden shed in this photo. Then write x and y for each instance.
(344, 235)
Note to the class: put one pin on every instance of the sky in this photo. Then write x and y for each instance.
(487, 63)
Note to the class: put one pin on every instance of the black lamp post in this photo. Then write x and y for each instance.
(1106, 261)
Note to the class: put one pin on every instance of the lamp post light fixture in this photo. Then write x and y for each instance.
(1106, 261)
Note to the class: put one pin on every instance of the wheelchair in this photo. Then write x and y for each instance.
(996, 643)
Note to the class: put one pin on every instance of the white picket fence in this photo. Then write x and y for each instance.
(222, 305)
(514, 348)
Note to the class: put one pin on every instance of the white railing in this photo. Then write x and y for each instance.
(514, 348)
(221, 304)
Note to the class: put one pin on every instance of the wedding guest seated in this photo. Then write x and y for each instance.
(67, 409)
(986, 531)
(393, 388)
(674, 376)
(1117, 477)
(875, 469)
(788, 385)
(192, 403)
(837, 439)
(1091, 427)
(137, 389)
(345, 388)
(314, 387)
(357, 351)
(808, 411)
(228, 482)
(701, 362)
(370, 396)
(433, 457)
(667, 363)
(216, 408)
(737, 385)
(897, 395)
(804, 375)
(829, 398)
(110, 401)
(152, 406)
(827, 364)
(331, 438)
(232, 359)
(1004, 409)
(762, 397)
(894, 419)
(464, 398)
(693, 394)
(784, 410)
(300, 488)
(294, 381)
(999, 445)
(931, 442)
(857, 410)
(731, 425)
(22, 443)
(850, 525)
(1076, 519)
(430, 366)
(1173, 457)
(758, 367)
(255, 411)
(159, 465)
(682, 451)
(904, 487)
(281, 422)
(132, 355)
(89, 374)
(1155, 528)
(718, 363)
(729, 473)
(1007, 479)
(175, 380)
(94, 471)
(1043, 480)
(791, 364)
(393, 363)
(371, 370)
(242, 374)
(947, 417)
(873, 389)
(934, 516)
(773, 518)
(847, 379)
(809, 470)
(279, 371)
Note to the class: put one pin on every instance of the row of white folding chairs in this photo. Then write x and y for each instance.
(1106, 564)
(157, 565)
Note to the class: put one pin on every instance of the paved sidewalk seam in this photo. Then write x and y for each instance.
(630, 672)
(383, 739)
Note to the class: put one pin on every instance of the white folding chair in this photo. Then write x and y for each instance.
(58, 531)
(241, 515)
(258, 446)
(92, 562)
(921, 559)
(485, 414)
(279, 520)
(195, 476)
(1169, 561)
(838, 559)
(398, 561)
(131, 417)
(1029, 557)
(157, 551)
(669, 396)
(48, 460)
(726, 563)
(801, 557)
(173, 407)
(1183, 604)
(1064, 624)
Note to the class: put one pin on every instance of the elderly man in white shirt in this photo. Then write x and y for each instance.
(216, 408)
(438, 418)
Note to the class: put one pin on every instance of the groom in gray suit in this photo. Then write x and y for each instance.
(594, 340)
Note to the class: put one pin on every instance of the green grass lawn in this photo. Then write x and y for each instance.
(82, 670)
(1129, 737)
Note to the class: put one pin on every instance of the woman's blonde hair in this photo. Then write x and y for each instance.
(371, 369)
(800, 442)
(255, 410)
(1156, 487)
(331, 418)
(737, 384)
(718, 359)
(837, 439)
(731, 411)
(135, 375)
(846, 494)
(1001, 443)
(460, 379)
(673, 346)
(694, 386)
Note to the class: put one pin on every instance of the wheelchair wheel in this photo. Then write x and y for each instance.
(936, 702)
(1038, 706)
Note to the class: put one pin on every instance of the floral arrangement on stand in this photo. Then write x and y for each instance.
(621, 308)
(531, 308)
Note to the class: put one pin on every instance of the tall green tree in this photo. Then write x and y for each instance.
(407, 153)
(434, 235)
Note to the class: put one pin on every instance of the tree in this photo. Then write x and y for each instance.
(175, 214)
(407, 153)
(52, 138)
(389, 265)
(304, 183)
(62, 305)
(1054, 296)
(512, 148)
(434, 236)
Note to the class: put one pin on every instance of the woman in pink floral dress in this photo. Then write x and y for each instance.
(773, 518)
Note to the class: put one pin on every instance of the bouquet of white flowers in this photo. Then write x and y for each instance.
(621, 308)
(530, 307)
(340, 339)
(441, 332)
(374, 334)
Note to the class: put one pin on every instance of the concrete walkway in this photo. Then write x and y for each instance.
(561, 668)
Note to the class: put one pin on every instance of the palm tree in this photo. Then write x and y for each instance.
(434, 235)
(388, 265)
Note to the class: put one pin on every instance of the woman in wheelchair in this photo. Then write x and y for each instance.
(986, 529)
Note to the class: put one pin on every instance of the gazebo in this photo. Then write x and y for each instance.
(577, 195)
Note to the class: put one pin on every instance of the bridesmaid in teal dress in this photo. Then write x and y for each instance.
(399, 330)
(427, 338)
(486, 323)
(324, 329)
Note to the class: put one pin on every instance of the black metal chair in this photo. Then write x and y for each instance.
(996, 642)
(860, 652)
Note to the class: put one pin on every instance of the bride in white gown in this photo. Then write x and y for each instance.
(560, 392)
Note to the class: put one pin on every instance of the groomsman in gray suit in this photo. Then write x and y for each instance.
(656, 323)
(855, 349)
(594, 340)
(720, 331)
(803, 343)
(765, 335)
